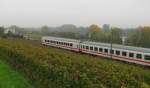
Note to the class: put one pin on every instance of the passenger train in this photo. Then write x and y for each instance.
(119, 52)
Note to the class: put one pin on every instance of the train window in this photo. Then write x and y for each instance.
(91, 48)
(117, 52)
(95, 49)
(112, 51)
(139, 56)
(83, 47)
(100, 49)
(67, 44)
(71, 44)
(131, 54)
(146, 57)
(64, 43)
(87, 47)
(124, 53)
(106, 50)
(57, 42)
(45, 40)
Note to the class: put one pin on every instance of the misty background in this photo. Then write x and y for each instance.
(35, 13)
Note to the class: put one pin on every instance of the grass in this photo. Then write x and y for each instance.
(9, 78)
(35, 36)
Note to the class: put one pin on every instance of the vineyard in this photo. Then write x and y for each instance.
(49, 67)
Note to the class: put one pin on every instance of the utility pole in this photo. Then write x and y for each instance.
(111, 38)
(81, 39)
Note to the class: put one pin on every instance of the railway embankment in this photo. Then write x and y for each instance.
(49, 67)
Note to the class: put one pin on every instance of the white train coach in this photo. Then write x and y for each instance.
(120, 52)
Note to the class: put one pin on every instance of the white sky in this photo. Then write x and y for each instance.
(35, 13)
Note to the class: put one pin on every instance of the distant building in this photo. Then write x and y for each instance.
(106, 27)
(14, 30)
(7, 30)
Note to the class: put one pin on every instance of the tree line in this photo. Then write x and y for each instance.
(139, 36)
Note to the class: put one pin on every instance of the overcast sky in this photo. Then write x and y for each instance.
(35, 13)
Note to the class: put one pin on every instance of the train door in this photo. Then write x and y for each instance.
(79, 46)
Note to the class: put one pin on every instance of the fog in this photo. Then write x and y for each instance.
(35, 13)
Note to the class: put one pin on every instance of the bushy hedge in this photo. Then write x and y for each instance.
(56, 68)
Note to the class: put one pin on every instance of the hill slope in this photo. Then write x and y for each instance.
(56, 68)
